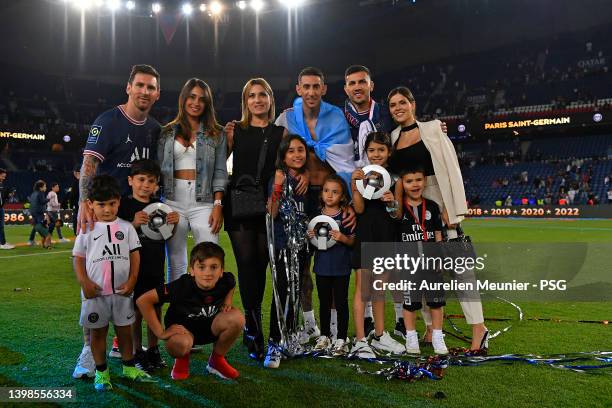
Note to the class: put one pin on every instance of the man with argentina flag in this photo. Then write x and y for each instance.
(322, 126)
(328, 137)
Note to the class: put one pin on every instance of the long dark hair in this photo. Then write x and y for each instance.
(284, 147)
(344, 200)
(211, 126)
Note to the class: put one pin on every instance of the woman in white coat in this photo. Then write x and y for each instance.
(426, 144)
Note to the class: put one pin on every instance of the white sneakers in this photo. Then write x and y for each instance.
(412, 342)
(361, 349)
(308, 333)
(273, 357)
(7, 246)
(64, 240)
(386, 343)
(437, 341)
(86, 366)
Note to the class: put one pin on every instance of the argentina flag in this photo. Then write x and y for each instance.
(334, 144)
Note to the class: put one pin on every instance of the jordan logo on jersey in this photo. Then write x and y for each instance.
(128, 140)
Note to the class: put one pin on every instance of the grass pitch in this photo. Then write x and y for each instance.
(41, 339)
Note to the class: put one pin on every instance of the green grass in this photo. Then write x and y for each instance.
(41, 339)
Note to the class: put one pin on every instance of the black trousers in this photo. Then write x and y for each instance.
(333, 289)
(249, 243)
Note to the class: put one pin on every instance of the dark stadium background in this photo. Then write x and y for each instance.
(470, 63)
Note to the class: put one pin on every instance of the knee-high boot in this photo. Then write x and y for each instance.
(253, 334)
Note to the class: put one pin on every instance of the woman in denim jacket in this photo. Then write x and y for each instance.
(192, 150)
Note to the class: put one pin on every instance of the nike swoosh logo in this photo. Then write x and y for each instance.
(95, 238)
(130, 316)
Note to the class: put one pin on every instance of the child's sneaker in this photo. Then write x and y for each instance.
(64, 240)
(180, 370)
(309, 333)
(31, 243)
(115, 353)
(323, 343)
(137, 374)
(218, 365)
(412, 342)
(86, 366)
(400, 329)
(387, 343)
(141, 361)
(155, 359)
(361, 349)
(340, 347)
(437, 341)
(273, 357)
(102, 381)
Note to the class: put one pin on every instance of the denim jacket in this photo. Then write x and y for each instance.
(211, 167)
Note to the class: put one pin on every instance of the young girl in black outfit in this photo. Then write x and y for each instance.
(373, 225)
(333, 268)
(290, 214)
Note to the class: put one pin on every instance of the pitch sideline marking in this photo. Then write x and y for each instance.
(42, 253)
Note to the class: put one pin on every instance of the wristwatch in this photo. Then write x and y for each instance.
(217, 203)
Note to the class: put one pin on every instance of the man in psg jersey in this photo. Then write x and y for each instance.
(120, 136)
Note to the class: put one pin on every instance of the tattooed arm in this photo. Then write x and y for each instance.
(88, 172)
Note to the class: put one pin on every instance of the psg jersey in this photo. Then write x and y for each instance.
(106, 250)
(117, 140)
(191, 305)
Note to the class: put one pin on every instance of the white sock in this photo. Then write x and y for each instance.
(436, 333)
(309, 319)
(333, 323)
(398, 311)
(411, 332)
(368, 310)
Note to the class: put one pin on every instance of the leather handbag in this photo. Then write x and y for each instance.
(248, 195)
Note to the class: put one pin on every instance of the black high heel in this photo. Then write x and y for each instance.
(484, 343)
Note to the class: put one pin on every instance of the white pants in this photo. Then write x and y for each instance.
(193, 216)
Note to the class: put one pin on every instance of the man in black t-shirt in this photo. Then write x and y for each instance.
(200, 312)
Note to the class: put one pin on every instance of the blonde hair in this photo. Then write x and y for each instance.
(245, 120)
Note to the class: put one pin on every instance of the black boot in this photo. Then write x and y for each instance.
(246, 338)
(253, 334)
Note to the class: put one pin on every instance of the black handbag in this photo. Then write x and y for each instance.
(248, 196)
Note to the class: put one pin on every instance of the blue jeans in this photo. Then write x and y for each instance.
(2, 237)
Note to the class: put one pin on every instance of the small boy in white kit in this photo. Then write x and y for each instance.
(106, 263)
